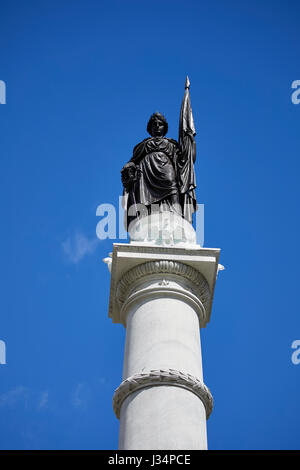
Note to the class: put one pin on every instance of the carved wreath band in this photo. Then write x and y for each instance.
(162, 377)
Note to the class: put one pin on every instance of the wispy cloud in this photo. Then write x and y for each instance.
(25, 397)
(43, 400)
(80, 396)
(78, 246)
(16, 395)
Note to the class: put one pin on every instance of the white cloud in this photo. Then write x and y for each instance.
(102, 381)
(78, 246)
(43, 401)
(13, 396)
(25, 396)
(80, 396)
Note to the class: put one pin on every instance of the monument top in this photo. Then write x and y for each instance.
(160, 175)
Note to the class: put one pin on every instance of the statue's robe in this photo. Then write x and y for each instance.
(167, 177)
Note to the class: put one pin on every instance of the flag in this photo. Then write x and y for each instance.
(186, 120)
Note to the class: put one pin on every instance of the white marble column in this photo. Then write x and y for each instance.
(162, 296)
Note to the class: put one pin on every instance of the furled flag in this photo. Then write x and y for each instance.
(186, 120)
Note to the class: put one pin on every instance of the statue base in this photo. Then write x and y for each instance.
(163, 229)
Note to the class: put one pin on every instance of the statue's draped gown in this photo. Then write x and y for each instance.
(166, 176)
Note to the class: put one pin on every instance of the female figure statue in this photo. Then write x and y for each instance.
(160, 175)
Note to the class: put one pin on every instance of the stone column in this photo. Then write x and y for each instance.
(162, 296)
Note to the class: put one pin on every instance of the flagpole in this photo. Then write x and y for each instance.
(186, 120)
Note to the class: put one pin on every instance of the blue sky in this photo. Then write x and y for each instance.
(82, 79)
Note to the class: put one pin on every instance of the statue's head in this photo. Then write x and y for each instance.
(157, 125)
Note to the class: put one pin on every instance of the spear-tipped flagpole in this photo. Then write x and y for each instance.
(186, 120)
(187, 82)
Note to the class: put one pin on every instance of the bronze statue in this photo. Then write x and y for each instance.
(160, 175)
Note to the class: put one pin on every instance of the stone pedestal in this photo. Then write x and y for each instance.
(162, 296)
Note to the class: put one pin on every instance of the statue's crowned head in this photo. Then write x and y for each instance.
(157, 125)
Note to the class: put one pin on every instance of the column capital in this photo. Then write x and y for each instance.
(141, 270)
(163, 278)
